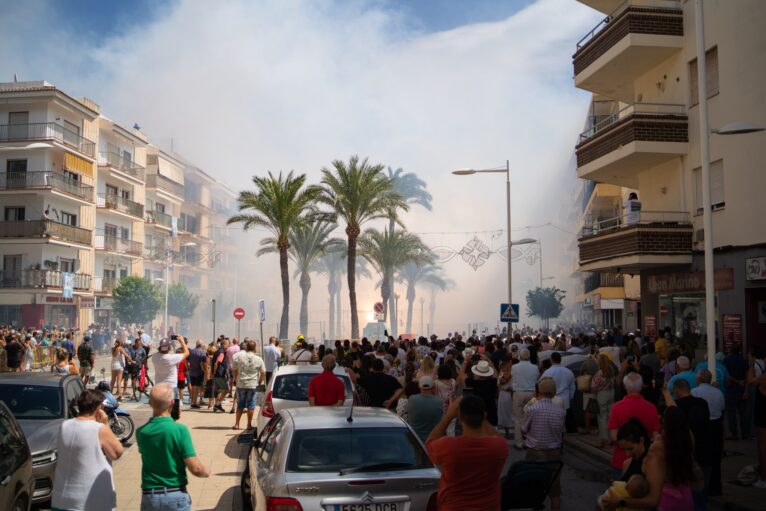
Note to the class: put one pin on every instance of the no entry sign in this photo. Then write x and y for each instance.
(239, 313)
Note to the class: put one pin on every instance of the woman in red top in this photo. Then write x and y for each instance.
(181, 379)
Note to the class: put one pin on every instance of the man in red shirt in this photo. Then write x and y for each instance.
(470, 464)
(326, 389)
(632, 405)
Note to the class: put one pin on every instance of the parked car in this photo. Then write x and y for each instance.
(16, 479)
(289, 387)
(40, 402)
(339, 458)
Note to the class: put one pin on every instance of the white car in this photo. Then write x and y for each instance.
(288, 388)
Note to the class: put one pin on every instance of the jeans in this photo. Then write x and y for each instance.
(176, 501)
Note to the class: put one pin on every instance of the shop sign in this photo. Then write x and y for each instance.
(597, 302)
(59, 299)
(650, 327)
(664, 310)
(732, 331)
(690, 282)
(103, 302)
(87, 302)
(755, 268)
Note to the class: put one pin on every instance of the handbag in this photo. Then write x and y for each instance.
(583, 382)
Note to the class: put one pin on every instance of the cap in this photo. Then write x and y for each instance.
(426, 382)
(300, 337)
(165, 346)
(86, 338)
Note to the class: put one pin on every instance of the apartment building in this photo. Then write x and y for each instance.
(640, 62)
(87, 202)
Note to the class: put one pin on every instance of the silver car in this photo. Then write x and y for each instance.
(339, 459)
(288, 388)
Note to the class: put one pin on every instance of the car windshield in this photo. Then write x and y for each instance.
(295, 387)
(350, 450)
(30, 402)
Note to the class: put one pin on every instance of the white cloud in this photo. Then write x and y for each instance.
(244, 86)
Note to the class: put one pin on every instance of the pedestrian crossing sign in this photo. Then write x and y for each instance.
(509, 313)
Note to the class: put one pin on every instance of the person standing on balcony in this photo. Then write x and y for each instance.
(632, 209)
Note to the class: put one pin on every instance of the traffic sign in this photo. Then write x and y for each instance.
(379, 307)
(509, 314)
(262, 310)
(239, 313)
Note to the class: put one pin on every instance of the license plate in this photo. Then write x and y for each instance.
(381, 506)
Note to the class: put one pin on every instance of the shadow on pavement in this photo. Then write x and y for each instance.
(231, 499)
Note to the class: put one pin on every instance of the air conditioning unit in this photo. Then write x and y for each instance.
(699, 235)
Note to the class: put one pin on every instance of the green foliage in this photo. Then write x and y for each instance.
(181, 302)
(136, 300)
(545, 303)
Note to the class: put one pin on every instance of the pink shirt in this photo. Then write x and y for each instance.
(231, 351)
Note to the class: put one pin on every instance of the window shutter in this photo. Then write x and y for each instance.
(711, 70)
(698, 190)
(717, 184)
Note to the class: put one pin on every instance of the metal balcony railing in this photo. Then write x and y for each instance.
(644, 109)
(112, 243)
(45, 180)
(597, 280)
(20, 279)
(47, 131)
(118, 162)
(608, 20)
(44, 229)
(104, 284)
(119, 203)
(159, 217)
(164, 183)
(640, 218)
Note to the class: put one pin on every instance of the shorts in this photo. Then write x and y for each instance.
(548, 455)
(220, 384)
(196, 381)
(14, 363)
(181, 384)
(85, 370)
(246, 399)
(208, 389)
(132, 371)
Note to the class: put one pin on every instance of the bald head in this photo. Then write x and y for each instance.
(161, 399)
(328, 363)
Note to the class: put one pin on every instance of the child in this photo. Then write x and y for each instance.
(636, 487)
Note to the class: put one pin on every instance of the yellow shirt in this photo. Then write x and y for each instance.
(620, 489)
(661, 348)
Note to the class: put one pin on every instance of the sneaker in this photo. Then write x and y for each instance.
(195, 407)
(219, 408)
(761, 484)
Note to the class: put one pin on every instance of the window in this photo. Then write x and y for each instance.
(123, 273)
(711, 63)
(124, 233)
(68, 218)
(111, 190)
(270, 439)
(148, 274)
(14, 213)
(18, 128)
(717, 196)
(127, 156)
(125, 194)
(110, 230)
(13, 450)
(158, 206)
(12, 166)
(67, 265)
(71, 176)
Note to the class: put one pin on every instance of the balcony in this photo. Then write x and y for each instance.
(630, 243)
(163, 183)
(160, 218)
(121, 204)
(45, 229)
(605, 6)
(636, 138)
(633, 39)
(26, 279)
(121, 164)
(45, 181)
(113, 243)
(597, 280)
(156, 252)
(105, 284)
(47, 131)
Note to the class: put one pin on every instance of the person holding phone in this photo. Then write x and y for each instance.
(165, 364)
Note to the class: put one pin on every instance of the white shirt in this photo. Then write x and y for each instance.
(714, 397)
(146, 339)
(271, 356)
(249, 367)
(565, 382)
(524, 375)
(166, 368)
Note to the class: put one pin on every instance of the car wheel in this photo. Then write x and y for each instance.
(21, 504)
(245, 490)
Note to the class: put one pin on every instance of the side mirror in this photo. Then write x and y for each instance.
(256, 442)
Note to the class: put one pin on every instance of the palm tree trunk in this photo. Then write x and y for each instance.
(331, 319)
(410, 301)
(353, 234)
(285, 319)
(391, 300)
(385, 295)
(338, 307)
(305, 283)
(432, 310)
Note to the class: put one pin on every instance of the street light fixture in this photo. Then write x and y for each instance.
(733, 128)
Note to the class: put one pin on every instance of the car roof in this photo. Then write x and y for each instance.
(333, 417)
(39, 379)
(307, 369)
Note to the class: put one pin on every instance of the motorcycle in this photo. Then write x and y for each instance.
(119, 420)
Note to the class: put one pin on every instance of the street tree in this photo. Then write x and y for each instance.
(279, 204)
(545, 302)
(136, 300)
(181, 302)
(358, 192)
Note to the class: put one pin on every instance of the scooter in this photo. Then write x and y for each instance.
(119, 420)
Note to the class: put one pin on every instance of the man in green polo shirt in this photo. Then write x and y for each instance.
(166, 452)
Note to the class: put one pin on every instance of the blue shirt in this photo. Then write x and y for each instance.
(565, 382)
(69, 346)
(686, 375)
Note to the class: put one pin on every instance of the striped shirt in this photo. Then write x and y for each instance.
(543, 424)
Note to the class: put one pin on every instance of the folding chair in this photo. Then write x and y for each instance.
(527, 483)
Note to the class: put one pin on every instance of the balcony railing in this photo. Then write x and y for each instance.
(641, 217)
(659, 110)
(114, 160)
(45, 180)
(119, 203)
(112, 243)
(20, 279)
(156, 252)
(159, 217)
(163, 183)
(104, 284)
(47, 131)
(597, 280)
(44, 229)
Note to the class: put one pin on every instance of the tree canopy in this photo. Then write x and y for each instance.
(181, 302)
(545, 302)
(136, 300)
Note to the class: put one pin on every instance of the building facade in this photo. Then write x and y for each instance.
(643, 135)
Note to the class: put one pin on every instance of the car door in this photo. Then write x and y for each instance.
(263, 477)
(72, 389)
(15, 461)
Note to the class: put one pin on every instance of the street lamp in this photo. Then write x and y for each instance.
(733, 128)
(167, 279)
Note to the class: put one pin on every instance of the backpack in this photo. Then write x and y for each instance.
(222, 370)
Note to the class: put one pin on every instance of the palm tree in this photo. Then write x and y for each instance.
(308, 242)
(412, 275)
(278, 204)
(389, 251)
(358, 192)
(434, 289)
(413, 190)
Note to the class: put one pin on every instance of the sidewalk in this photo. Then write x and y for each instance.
(736, 456)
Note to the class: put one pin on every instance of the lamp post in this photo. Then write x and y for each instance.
(733, 128)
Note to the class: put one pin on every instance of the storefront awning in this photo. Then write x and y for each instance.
(77, 164)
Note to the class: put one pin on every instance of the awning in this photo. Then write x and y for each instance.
(170, 171)
(77, 164)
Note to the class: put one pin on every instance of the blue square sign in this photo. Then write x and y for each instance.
(509, 314)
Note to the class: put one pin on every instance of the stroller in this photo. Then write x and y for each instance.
(527, 483)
